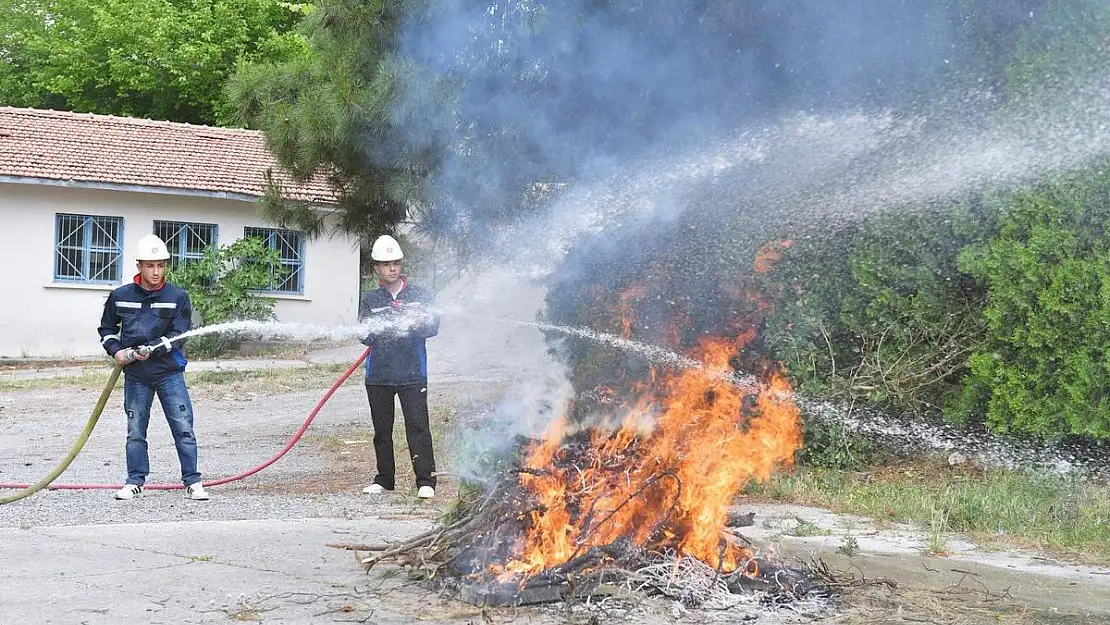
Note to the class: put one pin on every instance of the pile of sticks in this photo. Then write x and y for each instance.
(470, 546)
(473, 541)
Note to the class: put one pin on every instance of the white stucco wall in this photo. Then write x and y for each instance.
(40, 318)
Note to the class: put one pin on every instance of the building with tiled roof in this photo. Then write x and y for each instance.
(77, 192)
(104, 151)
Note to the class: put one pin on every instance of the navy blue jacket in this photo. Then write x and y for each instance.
(134, 317)
(399, 359)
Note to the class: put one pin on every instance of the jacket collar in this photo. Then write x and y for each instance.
(404, 284)
(138, 280)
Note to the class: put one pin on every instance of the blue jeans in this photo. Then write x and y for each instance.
(174, 397)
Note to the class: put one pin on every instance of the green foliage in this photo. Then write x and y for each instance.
(330, 111)
(998, 311)
(1063, 48)
(161, 59)
(883, 314)
(915, 318)
(833, 446)
(808, 286)
(223, 286)
(1046, 366)
(849, 546)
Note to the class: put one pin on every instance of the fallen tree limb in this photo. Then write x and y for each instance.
(357, 547)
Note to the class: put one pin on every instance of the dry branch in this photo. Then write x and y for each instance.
(467, 553)
(358, 547)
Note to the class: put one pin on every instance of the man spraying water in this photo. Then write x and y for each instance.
(398, 366)
(138, 322)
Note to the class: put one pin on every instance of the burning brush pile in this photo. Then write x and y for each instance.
(641, 505)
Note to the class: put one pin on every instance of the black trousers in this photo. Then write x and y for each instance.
(414, 407)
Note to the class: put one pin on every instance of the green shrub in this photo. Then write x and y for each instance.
(832, 446)
(223, 286)
(1046, 366)
(1063, 48)
(880, 313)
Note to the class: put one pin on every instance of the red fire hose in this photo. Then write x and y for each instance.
(224, 480)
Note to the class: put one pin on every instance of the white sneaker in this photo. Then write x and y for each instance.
(129, 491)
(196, 491)
(373, 489)
(426, 492)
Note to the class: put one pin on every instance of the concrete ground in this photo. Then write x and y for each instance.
(258, 551)
(283, 571)
(194, 572)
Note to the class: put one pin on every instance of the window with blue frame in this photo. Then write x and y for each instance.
(289, 245)
(186, 241)
(88, 249)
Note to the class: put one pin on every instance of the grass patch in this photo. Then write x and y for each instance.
(994, 507)
(270, 380)
(88, 378)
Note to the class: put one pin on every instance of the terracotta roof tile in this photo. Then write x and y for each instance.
(59, 145)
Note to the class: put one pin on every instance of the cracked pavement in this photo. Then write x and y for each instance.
(196, 572)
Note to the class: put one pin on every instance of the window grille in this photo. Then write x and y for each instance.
(289, 245)
(88, 249)
(186, 241)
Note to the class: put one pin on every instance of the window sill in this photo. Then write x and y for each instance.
(81, 286)
(288, 296)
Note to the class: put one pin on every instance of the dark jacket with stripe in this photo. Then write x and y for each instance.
(399, 357)
(134, 317)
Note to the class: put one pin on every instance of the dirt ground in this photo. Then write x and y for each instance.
(242, 421)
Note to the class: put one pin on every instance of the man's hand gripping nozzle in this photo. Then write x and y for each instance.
(131, 354)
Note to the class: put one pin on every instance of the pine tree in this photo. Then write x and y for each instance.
(330, 113)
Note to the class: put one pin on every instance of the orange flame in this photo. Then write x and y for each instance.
(632, 293)
(665, 478)
(671, 486)
(769, 253)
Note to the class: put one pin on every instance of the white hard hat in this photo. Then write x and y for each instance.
(151, 248)
(386, 249)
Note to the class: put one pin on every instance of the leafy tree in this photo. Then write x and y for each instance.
(160, 59)
(330, 111)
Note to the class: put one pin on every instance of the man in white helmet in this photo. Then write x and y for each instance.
(398, 366)
(150, 312)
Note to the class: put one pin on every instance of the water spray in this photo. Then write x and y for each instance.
(653, 353)
(380, 324)
(893, 432)
(989, 450)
